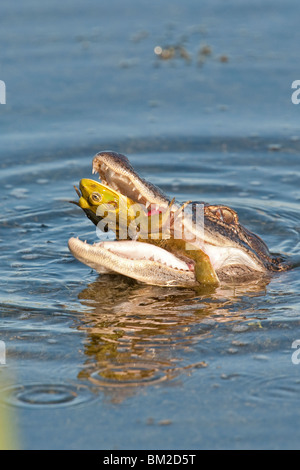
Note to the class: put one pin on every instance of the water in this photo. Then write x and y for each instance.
(103, 362)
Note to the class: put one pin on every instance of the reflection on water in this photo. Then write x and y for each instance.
(140, 335)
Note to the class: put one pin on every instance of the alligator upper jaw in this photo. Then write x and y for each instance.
(145, 263)
(116, 171)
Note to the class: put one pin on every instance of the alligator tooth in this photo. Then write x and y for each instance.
(124, 178)
(139, 196)
(147, 204)
(103, 167)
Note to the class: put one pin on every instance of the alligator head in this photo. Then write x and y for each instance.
(169, 244)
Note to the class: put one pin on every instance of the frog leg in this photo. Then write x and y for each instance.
(204, 272)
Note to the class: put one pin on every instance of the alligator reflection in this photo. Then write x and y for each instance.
(141, 335)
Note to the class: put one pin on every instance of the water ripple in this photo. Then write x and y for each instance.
(46, 395)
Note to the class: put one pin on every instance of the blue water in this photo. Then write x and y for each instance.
(102, 362)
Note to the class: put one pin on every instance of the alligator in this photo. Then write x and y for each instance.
(160, 242)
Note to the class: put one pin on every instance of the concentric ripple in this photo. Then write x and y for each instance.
(44, 395)
(130, 375)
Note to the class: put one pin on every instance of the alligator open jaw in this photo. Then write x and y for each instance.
(226, 250)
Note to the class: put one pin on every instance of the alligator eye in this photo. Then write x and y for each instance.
(229, 216)
(95, 198)
(223, 213)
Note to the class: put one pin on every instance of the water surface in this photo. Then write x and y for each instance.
(104, 362)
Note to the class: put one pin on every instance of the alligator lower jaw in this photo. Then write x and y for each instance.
(145, 263)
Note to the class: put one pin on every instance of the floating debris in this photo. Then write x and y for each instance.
(184, 54)
(224, 58)
(165, 422)
(205, 50)
(171, 52)
(164, 53)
